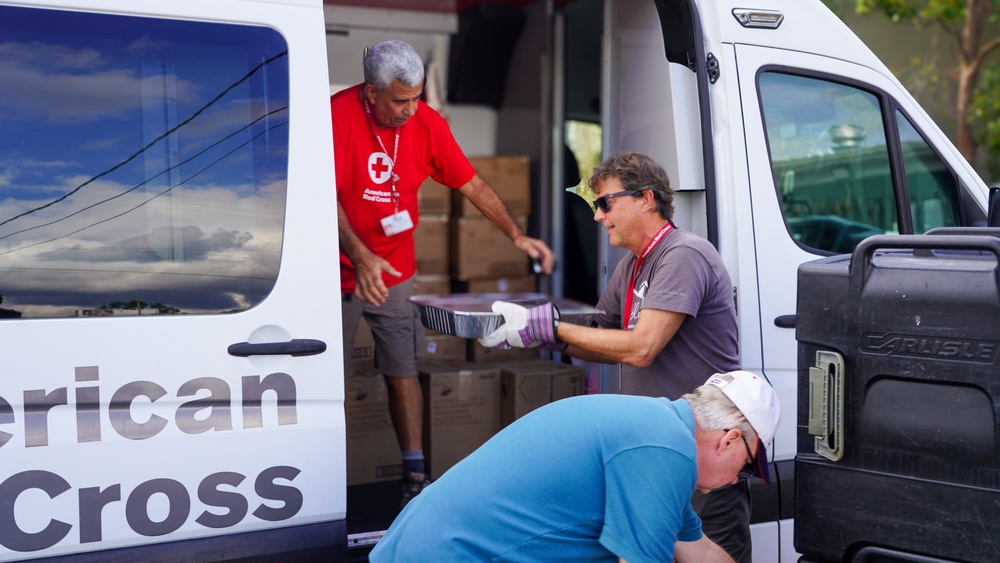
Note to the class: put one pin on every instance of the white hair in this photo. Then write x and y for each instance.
(393, 60)
(714, 411)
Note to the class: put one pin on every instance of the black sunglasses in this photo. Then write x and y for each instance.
(750, 469)
(604, 202)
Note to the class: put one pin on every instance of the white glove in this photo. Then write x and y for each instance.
(523, 327)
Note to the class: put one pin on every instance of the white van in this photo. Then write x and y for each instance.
(171, 361)
(172, 381)
(789, 141)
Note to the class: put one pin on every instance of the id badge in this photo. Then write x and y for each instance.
(397, 223)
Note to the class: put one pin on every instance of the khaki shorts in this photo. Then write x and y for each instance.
(395, 326)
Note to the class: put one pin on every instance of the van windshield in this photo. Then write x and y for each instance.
(833, 167)
(144, 164)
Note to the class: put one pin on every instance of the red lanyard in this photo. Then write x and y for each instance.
(395, 151)
(627, 315)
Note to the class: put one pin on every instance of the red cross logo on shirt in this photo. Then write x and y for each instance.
(379, 167)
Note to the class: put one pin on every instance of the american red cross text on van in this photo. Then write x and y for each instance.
(39, 402)
(217, 490)
(97, 502)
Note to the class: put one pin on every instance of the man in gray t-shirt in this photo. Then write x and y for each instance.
(681, 276)
(670, 314)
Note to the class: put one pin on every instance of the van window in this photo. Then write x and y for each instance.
(143, 166)
(830, 160)
(933, 189)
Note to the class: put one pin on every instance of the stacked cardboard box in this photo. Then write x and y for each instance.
(479, 249)
(430, 240)
(372, 449)
(442, 347)
(465, 404)
(510, 178)
(517, 284)
(459, 250)
(434, 198)
(527, 385)
(461, 411)
(431, 285)
(478, 353)
(364, 344)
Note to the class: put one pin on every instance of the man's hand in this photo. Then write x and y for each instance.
(702, 550)
(368, 267)
(524, 327)
(537, 250)
(486, 200)
(368, 284)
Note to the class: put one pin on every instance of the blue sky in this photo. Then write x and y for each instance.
(133, 149)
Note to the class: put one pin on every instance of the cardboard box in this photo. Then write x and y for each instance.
(569, 381)
(519, 284)
(522, 391)
(434, 198)
(479, 249)
(461, 411)
(430, 239)
(509, 176)
(364, 344)
(431, 285)
(372, 447)
(442, 347)
(479, 354)
(527, 385)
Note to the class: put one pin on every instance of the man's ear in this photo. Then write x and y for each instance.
(649, 200)
(728, 439)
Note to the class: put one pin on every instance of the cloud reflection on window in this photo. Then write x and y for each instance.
(142, 159)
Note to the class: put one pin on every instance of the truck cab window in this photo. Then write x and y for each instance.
(144, 164)
(932, 187)
(830, 161)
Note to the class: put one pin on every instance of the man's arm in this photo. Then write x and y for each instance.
(700, 551)
(637, 347)
(368, 267)
(486, 200)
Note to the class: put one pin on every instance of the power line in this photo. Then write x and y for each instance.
(154, 141)
(151, 178)
(182, 182)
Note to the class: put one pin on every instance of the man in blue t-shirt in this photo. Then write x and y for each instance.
(593, 478)
(668, 315)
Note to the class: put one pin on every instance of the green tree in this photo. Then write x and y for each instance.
(139, 305)
(966, 22)
(165, 309)
(986, 116)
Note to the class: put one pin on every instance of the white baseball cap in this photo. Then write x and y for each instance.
(758, 402)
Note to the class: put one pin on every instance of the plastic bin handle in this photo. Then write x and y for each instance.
(862, 256)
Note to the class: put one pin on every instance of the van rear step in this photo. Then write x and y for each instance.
(364, 539)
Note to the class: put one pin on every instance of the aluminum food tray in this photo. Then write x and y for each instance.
(470, 315)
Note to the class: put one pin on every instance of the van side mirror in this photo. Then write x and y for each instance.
(993, 207)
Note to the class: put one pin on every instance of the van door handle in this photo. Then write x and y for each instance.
(295, 347)
(784, 321)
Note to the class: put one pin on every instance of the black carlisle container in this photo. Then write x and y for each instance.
(898, 402)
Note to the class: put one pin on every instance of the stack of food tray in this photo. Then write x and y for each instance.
(470, 315)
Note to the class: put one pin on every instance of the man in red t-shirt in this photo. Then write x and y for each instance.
(386, 143)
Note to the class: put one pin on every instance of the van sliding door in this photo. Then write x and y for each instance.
(150, 220)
